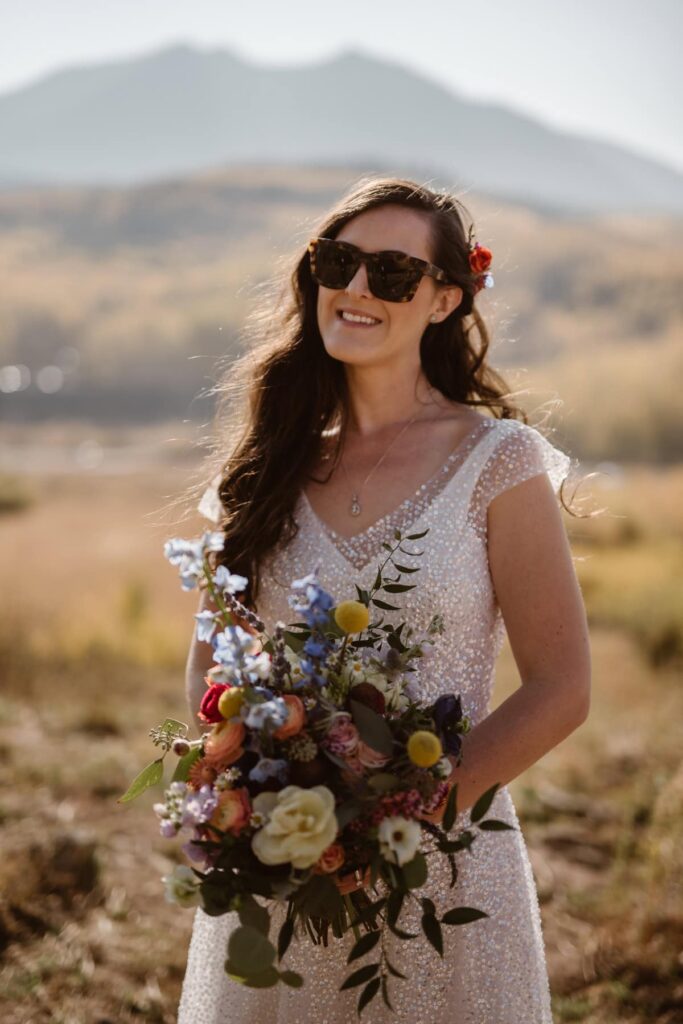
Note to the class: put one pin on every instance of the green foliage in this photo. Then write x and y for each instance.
(150, 775)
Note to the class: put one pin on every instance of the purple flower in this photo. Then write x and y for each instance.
(447, 712)
(198, 806)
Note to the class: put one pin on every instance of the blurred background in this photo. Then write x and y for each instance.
(158, 161)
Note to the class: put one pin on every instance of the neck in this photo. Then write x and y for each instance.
(379, 399)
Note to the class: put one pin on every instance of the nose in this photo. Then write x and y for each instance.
(359, 282)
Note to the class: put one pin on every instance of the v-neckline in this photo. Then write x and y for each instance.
(359, 548)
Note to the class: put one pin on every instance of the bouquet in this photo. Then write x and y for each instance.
(319, 766)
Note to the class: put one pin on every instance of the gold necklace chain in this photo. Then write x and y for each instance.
(355, 508)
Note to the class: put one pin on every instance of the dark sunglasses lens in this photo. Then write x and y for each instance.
(334, 265)
(390, 279)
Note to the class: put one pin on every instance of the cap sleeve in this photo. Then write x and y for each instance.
(210, 505)
(521, 452)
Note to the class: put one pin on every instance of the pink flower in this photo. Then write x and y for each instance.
(342, 738)
(369, 757)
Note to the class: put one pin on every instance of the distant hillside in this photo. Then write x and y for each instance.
(118, 303)
(182, 109)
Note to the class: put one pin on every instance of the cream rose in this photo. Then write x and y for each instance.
(300, 824)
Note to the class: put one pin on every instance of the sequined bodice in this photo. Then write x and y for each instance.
(454, 578)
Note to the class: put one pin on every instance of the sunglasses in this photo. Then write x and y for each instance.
(393, 276)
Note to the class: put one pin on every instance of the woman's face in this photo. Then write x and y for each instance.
(400, 325)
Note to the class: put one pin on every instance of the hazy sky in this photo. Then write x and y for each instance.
(608, 68)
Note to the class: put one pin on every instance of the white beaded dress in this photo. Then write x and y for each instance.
(493, 970)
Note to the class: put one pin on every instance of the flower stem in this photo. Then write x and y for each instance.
(350, 909)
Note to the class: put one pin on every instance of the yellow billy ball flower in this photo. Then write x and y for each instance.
(424, 748)
(352, 616)
(230, 701)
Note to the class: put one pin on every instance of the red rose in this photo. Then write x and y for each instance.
(480, 259)
(208, 709)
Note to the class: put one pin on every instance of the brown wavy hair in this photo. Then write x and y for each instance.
(277, 401)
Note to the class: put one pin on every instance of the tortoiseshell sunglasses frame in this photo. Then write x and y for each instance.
(372, 261)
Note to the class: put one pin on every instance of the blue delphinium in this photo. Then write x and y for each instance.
(229, 581)
(270, 714)
(314, 604)
(268, 768)
(207, 622)
(233, 648)
(188, 555)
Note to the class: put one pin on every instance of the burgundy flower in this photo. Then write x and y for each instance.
(208, 709)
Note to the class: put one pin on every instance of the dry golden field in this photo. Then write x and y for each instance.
(94, 631)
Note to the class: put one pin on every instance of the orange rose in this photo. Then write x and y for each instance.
(329, 860)
(480, 258)
(223, 744)
(296, 717)
(233, 811)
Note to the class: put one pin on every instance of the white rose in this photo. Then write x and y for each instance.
(300, 824)
(399, 839)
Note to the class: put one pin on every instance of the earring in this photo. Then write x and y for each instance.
(433, 317)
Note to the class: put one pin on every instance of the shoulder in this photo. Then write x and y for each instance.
(514, 452)
(518, 451)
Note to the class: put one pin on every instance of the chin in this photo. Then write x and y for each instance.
(359, 353)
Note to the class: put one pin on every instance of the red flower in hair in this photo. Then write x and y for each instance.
(480, 258)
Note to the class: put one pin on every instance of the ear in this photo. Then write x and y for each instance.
(450, 298)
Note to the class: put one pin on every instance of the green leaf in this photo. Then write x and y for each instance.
(416, 536)
(384, 606)
(393, 970)
(285, 937)
(373, 728)
(432, 930)
(387, 547)
(182, 769)
(428, 906)
(462, 915)
(401, 933)
(415, 871)
(378, 580)
(364, 945)
(360, 976)
(174, 727)
(150, 775)
(292, 978)
(493, 825)
(483, 803)
(320, 897)
(368, 994)
(382, 782)
(346, 812)
(385, 993)
(249, 951)
(264, 979)
(451, 809)
(250, 912)
(398, 588)
(406, 568)
(394, 904)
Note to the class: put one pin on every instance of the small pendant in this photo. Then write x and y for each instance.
(354, 507)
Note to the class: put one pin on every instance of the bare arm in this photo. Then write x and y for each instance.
(542, 607)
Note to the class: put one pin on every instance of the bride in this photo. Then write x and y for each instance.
(370, 407)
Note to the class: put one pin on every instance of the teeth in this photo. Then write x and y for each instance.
(358, 319)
